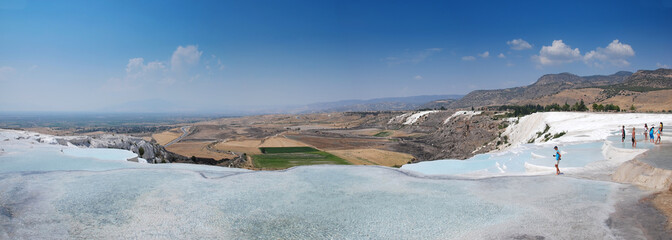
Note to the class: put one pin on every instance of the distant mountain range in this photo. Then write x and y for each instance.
(378, 104)
(550, 88)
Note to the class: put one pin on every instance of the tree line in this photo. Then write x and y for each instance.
(531, 108)
(608, 107)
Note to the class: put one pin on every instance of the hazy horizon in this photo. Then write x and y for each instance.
(219, 57)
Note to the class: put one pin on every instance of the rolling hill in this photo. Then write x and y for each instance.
(546, 85)
(646, 90)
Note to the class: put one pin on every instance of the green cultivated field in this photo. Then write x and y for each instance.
(286, 157)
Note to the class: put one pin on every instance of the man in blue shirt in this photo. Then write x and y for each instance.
(557, 158)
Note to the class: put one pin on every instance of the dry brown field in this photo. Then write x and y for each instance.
(371, 156)
(250, 146)
(324, 131)
(165, 137)
(198, 149)
(339, 143)
(360, 132)
(281, 141)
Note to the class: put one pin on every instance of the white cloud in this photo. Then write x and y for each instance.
(137, 68)
(501, 55)
(418, 77)
(615, 54)
(519, 44)
(220, 65)
(659, 65)
(468, 58)
(139, 74)
(6, 72)
(185, 57)
(134, 65)
(557, 53)
(485, 54)
(412, 57)
(421, 56)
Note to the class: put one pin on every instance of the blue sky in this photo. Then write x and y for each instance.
(224, 55)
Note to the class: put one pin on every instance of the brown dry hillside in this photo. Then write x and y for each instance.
(546, 85)
(651, 101)
(660, 78)
(570, 96)
(646, 90)
(654, 101)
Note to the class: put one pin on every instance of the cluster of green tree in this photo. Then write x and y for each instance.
(429, 109)
(613, 90)
(608, 107)
(530, 108)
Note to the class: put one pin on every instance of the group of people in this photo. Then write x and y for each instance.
(648, 134)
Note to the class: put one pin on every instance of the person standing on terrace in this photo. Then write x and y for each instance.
(634, 141)
(557, 159)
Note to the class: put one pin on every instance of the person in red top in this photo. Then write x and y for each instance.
(634, 141)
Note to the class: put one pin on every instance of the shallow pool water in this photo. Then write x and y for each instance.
(523, 159)
(100, 153)
(305, 202)
(47, 194)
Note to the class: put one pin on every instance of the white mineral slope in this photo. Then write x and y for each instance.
(467, 114)
(22, 151)
(590, 147)
(581, 126)
(414, 118)
(398, 119)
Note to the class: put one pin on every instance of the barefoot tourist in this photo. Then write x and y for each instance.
(557, 159)
(634, 141)
(623, 134)
(646, 131)
(651, 134)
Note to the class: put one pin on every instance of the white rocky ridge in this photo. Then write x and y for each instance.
(409, 118)
(414, 118)
(398, 119)
(467, 114)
